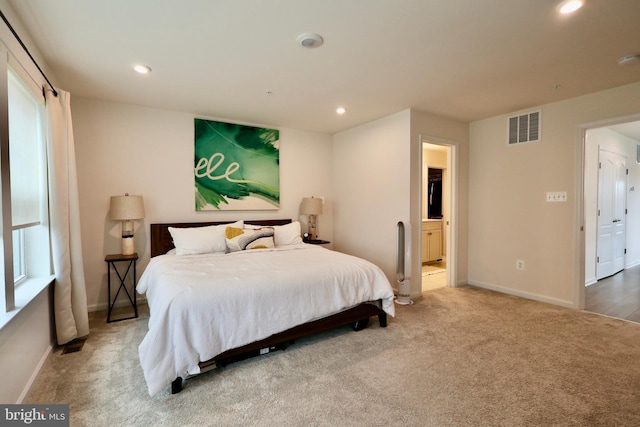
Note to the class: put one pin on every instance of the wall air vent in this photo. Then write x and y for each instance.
(525, 127)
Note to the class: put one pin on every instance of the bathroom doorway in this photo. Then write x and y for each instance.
(436, 215)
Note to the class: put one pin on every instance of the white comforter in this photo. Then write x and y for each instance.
(203, 305)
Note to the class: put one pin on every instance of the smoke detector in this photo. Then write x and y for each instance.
(629, 59)
(309, 40)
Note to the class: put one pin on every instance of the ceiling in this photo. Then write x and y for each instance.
(631, 130)
(239, 60)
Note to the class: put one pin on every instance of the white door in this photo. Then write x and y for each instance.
(612, 184)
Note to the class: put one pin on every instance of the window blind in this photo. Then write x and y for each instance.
(24, 152)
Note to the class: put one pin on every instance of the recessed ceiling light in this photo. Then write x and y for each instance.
(569, 6)
(309, 40)
(341, 110)
(142, 69)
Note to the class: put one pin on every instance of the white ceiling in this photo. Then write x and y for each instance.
(464, 59)
(631, 130)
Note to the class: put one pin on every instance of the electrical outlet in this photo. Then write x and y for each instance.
(520, 264)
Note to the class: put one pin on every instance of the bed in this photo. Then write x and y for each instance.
(214, 308)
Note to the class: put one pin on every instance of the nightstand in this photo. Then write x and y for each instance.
(128, 261)
(316, 241)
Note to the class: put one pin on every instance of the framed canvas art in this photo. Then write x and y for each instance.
(236, 167)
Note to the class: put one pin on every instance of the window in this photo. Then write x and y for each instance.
(19, 265)
(30, 257)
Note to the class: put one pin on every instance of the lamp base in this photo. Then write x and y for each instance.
(313, 231)
(313, 235)
(127, 245)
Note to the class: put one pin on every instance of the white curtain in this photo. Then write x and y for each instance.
(70, 296)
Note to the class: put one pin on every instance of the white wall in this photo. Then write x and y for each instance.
(613, 141)
(377, 175)
(124, 148)
(25, 343)
(371, 187)
(509, 218)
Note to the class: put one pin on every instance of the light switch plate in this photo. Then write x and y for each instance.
(556, 196)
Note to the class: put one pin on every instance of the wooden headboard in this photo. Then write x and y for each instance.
(161, 241)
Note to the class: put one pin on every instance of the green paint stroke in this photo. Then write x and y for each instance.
(235, 162)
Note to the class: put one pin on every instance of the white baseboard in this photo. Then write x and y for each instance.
(103, 306)
(35, 374)
(522, 294)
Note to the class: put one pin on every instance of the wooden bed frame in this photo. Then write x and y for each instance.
(357, 317)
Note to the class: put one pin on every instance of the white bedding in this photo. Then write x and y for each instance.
(203, 305)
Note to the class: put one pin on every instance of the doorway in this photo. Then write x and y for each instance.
(610, 175)
(435, 235)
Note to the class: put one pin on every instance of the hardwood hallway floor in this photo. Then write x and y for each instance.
(616, 296)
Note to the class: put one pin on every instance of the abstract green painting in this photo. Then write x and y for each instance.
(237, 167)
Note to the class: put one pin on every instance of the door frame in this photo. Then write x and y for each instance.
(450, 231)
(580, 214)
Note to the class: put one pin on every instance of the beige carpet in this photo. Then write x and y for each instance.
(457, 357)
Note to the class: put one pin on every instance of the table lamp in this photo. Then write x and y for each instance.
(312, 207)
(126, 208)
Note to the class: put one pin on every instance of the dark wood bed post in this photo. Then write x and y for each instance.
(382, 319)
(176, 385)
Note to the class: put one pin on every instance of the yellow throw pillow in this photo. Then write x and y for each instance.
(239, 239)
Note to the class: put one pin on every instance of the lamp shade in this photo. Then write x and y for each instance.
(126, 207)
(311, 206)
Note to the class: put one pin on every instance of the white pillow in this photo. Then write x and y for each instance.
(284, 235)
(201, 240)
(288, 234)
